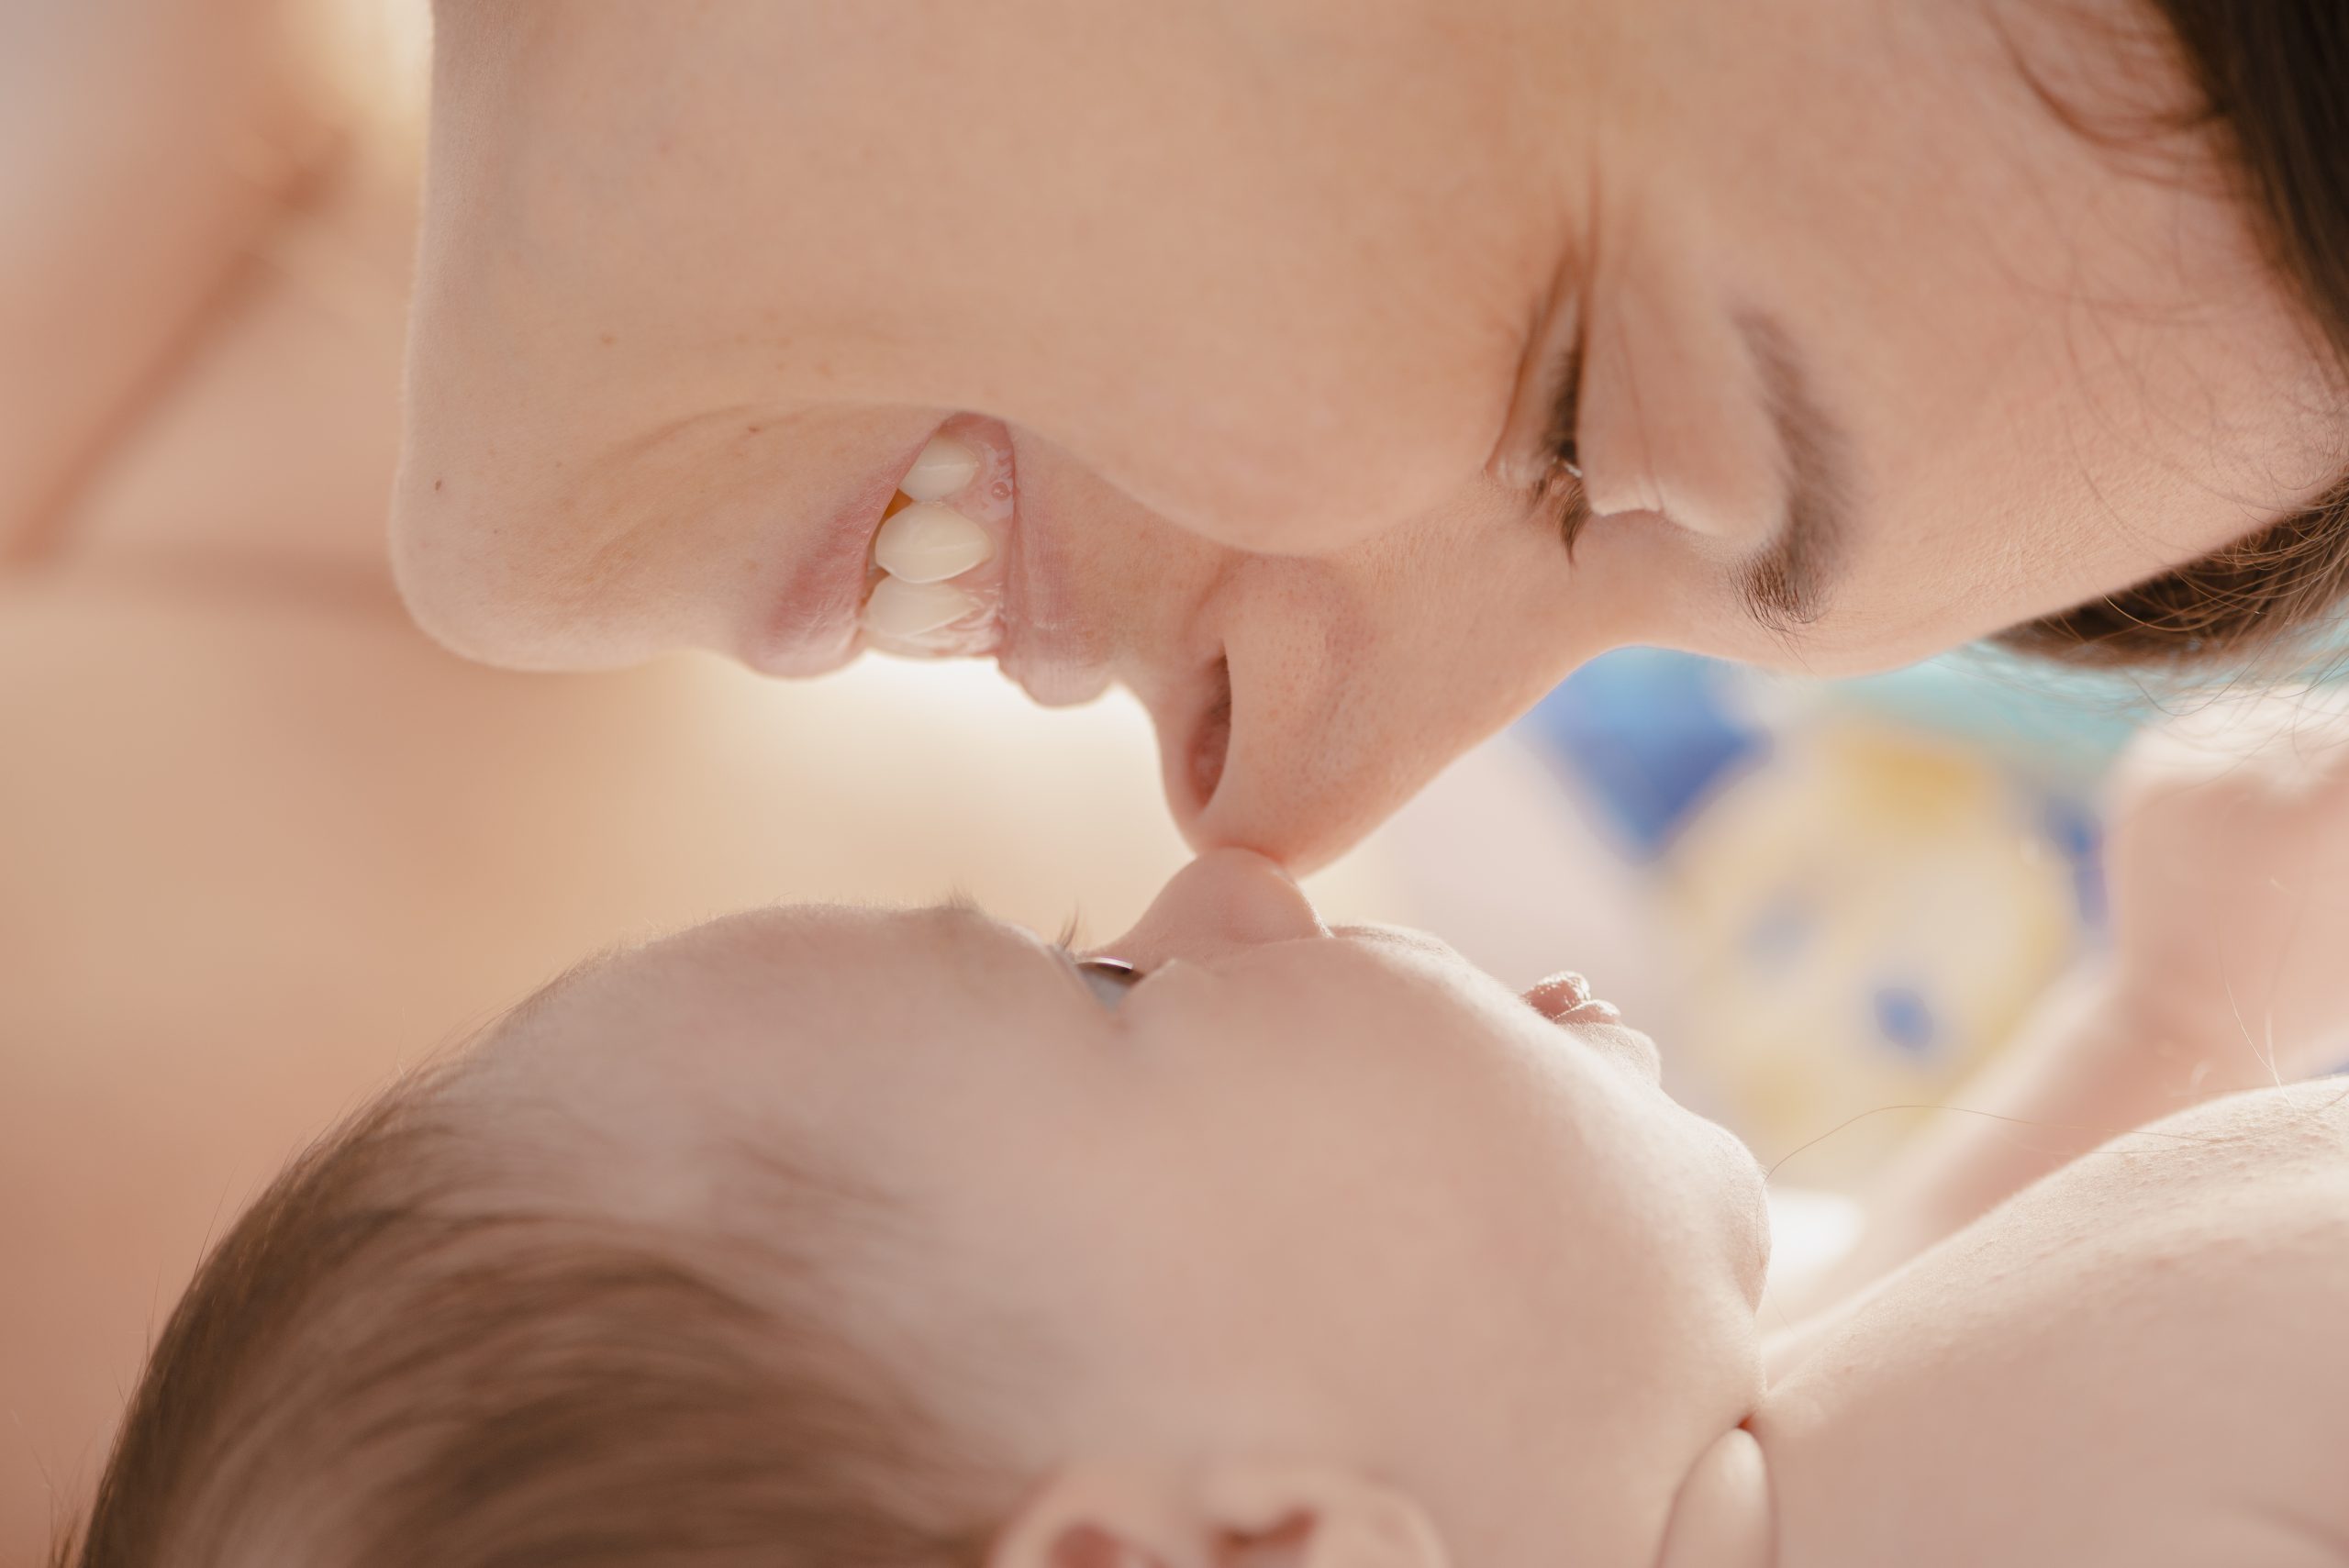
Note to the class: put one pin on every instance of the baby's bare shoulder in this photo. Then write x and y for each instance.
(2141, 1357)
(2262, 1135)
(2266, 1170)
(2236, 1200)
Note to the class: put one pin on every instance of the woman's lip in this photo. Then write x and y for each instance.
(811, 625)
(1048, 647)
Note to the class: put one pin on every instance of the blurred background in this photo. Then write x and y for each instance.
(262, 845)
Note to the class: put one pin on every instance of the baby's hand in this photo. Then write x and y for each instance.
(2229, 866)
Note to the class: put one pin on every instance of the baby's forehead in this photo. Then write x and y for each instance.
(709, 1082)
(812, 952)
(759, 1016)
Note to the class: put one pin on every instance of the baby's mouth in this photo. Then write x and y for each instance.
(1565, 998)
(934, 581)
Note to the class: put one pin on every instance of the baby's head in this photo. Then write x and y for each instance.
(834, 1237)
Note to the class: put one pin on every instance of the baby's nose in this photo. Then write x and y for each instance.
(1224, 900)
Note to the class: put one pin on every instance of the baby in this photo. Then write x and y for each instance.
(838, 1237)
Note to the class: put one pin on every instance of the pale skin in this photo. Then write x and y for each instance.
(123, 852)
(1340, 1254)
(261, 840)
(1269, 304)
(2227, 854)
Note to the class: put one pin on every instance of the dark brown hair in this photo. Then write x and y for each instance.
(2270, 84)
(377, 1369)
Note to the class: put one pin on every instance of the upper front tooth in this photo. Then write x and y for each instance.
(944, 466)
(927, 542)
(900, 611)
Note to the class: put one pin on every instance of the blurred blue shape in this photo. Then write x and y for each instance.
(1904, 1019)
(2070, 826)
(1650, 736)
(2059, 726)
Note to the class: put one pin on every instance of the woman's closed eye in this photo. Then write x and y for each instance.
(1562, 483)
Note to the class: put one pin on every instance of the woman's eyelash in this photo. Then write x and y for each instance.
(1562, 484)
(1562, 491)
(1565, 452)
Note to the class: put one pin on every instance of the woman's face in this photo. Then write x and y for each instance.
(1264, 318)
(1328, 1195)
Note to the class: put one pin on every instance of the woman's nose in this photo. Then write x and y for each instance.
(1225, 900)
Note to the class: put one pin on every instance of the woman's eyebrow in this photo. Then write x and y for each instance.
(1785, 586)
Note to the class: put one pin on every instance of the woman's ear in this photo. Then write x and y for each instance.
(1250, 1516)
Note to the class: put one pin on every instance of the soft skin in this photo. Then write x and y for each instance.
(1348, 1219)
(1270, 301)
(1320, 1247)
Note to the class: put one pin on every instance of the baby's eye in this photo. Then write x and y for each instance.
(1109, 978)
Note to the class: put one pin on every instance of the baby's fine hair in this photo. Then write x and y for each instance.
(391, 1361)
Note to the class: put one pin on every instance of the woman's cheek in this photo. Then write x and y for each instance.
(1312, 457)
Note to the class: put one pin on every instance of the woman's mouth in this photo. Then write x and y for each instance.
(945, 555)
(936, 575)
(939, 565)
